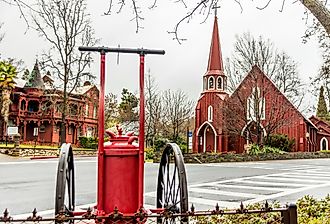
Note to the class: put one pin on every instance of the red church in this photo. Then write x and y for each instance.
(229, 122)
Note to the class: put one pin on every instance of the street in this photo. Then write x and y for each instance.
(29, 184)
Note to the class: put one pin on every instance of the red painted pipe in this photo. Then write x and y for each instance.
(141, 134)
(100, 176)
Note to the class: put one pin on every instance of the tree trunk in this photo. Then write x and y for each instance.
(321, 13)
(64, 109)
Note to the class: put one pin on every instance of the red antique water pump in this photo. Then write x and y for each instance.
(121, 163)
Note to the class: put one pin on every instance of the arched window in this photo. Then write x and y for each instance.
(33, 106)
(23, 105)
(219, 83)
(210, 113)
(324, 144)
(211, 83)
(256, 105)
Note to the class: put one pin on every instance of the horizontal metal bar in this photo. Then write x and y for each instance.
(140, 51)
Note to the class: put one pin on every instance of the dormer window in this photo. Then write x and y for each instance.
(219, 83)
(210, 113)
(211, 83)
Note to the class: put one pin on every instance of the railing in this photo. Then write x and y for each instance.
(285, 215)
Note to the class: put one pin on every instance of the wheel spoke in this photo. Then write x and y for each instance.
(172, 183)
(65, 181)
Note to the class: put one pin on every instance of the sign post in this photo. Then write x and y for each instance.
(35, 134)
(190, 140)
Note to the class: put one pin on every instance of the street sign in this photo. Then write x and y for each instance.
(190, 134)
(12, 131)
(35, 131)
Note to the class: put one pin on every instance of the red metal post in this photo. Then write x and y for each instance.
(100, 185)
(141, 133)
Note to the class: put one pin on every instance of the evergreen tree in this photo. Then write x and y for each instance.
(128, 108)
(322, 110)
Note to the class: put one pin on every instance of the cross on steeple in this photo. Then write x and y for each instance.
(215, 7)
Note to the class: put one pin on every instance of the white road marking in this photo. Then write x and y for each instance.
(246, 187)
(221, 192)
(302, 176)
(270, 183)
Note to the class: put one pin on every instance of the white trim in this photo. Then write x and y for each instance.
(221, 86)
(327, 143)
(200, 127)
(208, 83)
(204, 135)
(247, 125)
(210, 113)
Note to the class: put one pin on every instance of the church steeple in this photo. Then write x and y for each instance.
(215, 57)
(214, 78)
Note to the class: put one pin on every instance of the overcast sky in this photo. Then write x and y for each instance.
(183, 65)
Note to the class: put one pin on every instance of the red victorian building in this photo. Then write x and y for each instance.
(36, 104)
(229, 122)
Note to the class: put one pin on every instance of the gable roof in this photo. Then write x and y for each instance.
(256, 70)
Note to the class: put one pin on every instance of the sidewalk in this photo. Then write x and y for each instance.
(6, 158)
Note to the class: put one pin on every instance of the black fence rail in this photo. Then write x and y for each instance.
(286, 215)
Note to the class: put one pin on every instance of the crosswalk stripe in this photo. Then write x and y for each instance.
(317, 171)
(221, 192)
(284, 193)
(270, 183)
(304, 176)
(310, 174)
(249, 187)
(292, 179)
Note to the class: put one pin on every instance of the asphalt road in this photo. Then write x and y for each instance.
(25, 184)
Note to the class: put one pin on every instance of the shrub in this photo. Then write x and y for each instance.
(88, 142)
(149, 153)
(281, 142)
(160, 143)
(256, 150)
(310, 211)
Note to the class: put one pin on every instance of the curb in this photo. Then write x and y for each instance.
(43, 157)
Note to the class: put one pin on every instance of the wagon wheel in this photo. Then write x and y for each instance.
(172, 192)
(65, 187)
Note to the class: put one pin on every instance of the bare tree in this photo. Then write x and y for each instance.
(323, 77)
(111, 110)
(317, 8)
(204, 8)
(279, 67)
(177, 109)
(153, 109)
(65, 25)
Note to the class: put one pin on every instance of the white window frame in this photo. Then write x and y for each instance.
(327, 143)
(94, 112)
(221, 86)
(210, 113)
(208, 82)
(251, 113)
(87, 110)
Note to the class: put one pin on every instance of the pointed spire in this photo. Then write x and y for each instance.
(215, 57)
(35, 80)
